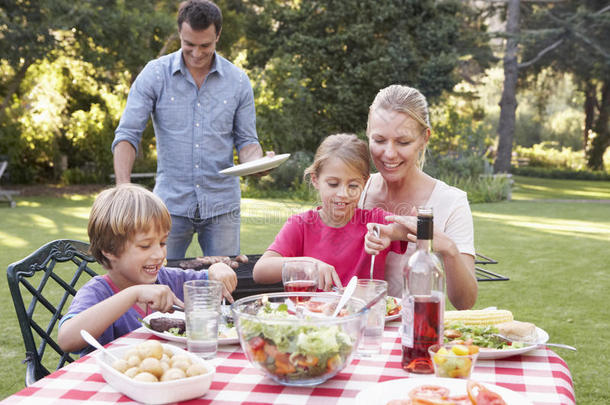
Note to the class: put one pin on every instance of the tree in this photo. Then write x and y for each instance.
(568, 34)
(106, 39)
(584, 52)
(320, 63)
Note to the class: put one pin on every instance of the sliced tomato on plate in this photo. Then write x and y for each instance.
(480, 395)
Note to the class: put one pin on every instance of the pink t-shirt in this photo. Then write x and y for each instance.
(306, 235)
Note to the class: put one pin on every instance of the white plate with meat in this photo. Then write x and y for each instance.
(227, 334)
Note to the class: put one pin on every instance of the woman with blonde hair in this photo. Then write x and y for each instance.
(398, 131)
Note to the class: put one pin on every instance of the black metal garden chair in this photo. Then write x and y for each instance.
(42, 286)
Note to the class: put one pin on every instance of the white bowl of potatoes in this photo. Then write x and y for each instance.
(156, 373)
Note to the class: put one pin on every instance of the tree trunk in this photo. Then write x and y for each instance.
(590, 98)
(13, 87)
(508, 102)
(600, 139)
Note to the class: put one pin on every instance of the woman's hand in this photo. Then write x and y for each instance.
(226, 275)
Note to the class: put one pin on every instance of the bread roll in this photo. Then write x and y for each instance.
(518, 331)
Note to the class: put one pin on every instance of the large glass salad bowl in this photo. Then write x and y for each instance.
(293, 339)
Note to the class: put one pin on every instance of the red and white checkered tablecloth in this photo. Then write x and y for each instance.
(541, 375)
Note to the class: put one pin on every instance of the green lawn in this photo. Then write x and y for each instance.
(555, 253)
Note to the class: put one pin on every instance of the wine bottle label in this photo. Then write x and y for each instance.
(408, 310)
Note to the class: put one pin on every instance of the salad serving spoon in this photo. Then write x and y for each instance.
(347, 293)
(376, 233)
(93, 342)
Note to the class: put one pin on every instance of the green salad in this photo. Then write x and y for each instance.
(480, 335)
(297, 350)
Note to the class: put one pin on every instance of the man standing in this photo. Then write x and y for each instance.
(202, 106)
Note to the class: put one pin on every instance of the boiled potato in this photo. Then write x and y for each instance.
(133, 360)
(173, 374)
(145, 377)
(131, 372)
(152, 365)
(150, 348)
(196, 369)
(131, 352)
(120, 365)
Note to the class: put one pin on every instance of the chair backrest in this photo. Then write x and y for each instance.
(42, 286)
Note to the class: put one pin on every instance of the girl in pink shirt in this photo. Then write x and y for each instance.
(333, 234)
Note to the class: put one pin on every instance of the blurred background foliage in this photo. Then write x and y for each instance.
(66, 68)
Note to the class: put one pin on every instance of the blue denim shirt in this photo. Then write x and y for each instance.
(196, 130)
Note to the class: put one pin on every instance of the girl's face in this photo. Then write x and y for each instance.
(395, 141)
(340, 187)
(140, 261)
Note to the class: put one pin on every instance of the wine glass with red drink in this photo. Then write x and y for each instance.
(300, 276)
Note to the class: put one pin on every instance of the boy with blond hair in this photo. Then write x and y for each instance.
(128, 229)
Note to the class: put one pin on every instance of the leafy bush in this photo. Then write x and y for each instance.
(551, 155)
(283, 182)
(553, 173)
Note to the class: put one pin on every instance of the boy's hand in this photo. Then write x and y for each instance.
(158, 297)
(226, 275)
(374, 244)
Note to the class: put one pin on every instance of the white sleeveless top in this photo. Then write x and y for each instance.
(452, 216)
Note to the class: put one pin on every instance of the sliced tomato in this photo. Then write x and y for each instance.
(393, 311)
(480, 395)
(429, 391)
(256, 343)
(488, 397)
(316, 306)
(460, 400)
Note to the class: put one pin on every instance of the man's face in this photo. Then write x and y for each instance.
(198, 47)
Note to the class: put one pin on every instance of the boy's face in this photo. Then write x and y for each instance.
(140, 261)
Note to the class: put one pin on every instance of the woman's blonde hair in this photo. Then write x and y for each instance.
(120, 212)
(352, 151)
(407, 100)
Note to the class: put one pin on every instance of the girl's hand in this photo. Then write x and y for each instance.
(327, 276)
(158, 297)
(374, 244)
(226, 275)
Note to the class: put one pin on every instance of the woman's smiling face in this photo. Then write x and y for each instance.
(396, 142)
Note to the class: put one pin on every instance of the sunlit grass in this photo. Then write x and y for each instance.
(531, 188)
(573, 228)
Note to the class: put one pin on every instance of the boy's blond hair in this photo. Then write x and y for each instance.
(120, 212)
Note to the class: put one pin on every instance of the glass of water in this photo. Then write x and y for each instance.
(372, 336)
(202, 313)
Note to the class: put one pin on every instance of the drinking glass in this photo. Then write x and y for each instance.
(202, 312)
(372, 336)
(300, 276)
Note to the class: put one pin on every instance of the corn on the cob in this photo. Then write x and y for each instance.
(478, 316)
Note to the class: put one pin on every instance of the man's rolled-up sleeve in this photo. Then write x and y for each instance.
(140, 105)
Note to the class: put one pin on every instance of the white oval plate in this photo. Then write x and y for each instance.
(395, 316)
(182, 339)
(256, 166)
(485, 353)
(386, 391)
